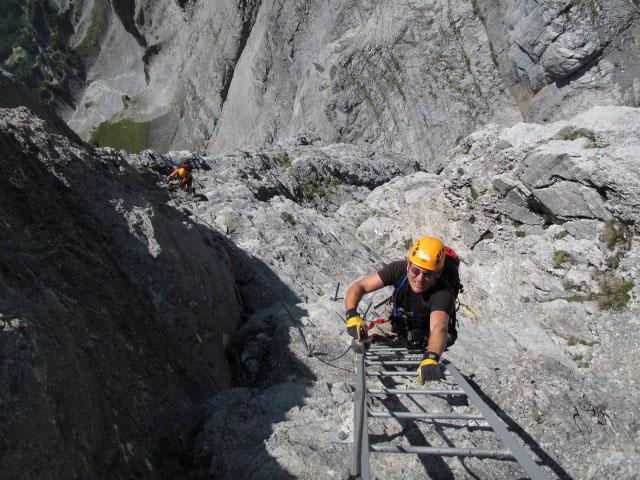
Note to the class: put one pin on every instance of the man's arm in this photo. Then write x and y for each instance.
(356, 326)
(439, 325)
(360, 288)
(430, 368)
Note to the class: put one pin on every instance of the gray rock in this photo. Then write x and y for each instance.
(211, 78)
(569, 199)
(272, 247)
(110, 318)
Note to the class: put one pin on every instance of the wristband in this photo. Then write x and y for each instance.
(352, 312)
(432, 356)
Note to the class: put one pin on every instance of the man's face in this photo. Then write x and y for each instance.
(421, 279)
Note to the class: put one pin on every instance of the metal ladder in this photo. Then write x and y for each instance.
(392, 357)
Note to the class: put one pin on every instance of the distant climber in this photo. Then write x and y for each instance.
(186, 178)
(419, 310)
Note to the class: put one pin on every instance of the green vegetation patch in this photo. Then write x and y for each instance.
(312, 188)
(577, 298)
(394, 82)
(92, 33)
(122, 135)
(614, 294)
(535, 416)
(617, 238)
(580, 133)
(283, 160)
(287, 217)
(34, 48)
(476, 10)
(492, 53)
(488, 235)
(611, 234)
(11, 25)
(573, 341)
(559, 258)
(468, 312)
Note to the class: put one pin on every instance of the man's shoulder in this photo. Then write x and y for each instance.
(393, 272)
(399, 264)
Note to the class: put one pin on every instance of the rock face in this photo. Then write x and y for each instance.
(150, 333)
(113, 312)
(563, 56)
(544, 220)
(403, 77)
(14, 94)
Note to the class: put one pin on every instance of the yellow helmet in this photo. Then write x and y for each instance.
(427, 253)
(181, 172)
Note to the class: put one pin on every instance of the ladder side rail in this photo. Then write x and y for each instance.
(391, 374)
(361, 429)
(519, 453)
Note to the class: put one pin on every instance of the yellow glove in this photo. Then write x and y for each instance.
(357, 328)
(429, 370)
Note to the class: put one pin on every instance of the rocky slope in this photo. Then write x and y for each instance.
(113, 312)
(404, 77)
(153, 334)
(544, 219)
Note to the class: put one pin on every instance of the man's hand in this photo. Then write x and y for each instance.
(357, 328)
(429, 370)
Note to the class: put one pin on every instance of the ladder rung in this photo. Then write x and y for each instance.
(392, 374)
(393, 362)
(448, 452)
(442, 416)
(393, 358)
(411, 391)
(387, 347)
(392, 352)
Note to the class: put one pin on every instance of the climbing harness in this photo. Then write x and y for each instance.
(392, 358)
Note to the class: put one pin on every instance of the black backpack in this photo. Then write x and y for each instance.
(451, 275)
(186, 165)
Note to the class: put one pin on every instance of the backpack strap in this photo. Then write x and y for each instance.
(397, 313)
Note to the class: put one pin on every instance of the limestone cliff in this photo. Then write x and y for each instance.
(405, 77)
(113, 312)
(145, 333)
(150, 333)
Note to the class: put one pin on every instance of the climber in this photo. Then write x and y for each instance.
(418, 311)
(186, 179)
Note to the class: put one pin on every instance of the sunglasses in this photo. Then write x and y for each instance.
(426, 274)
